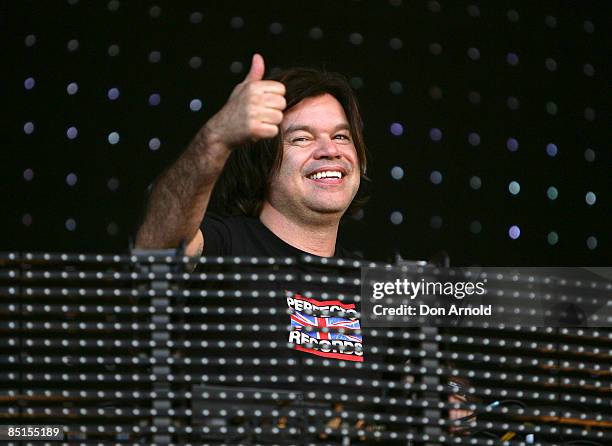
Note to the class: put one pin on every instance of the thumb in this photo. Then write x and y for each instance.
(257, 69)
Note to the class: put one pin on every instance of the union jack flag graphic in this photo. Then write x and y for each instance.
(320, 335)
(312, 326)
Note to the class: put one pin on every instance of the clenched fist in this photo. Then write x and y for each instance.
(253, 111)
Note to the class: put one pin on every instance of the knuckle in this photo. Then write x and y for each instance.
(252, 97)
(271, 131)
(251, 114)
(268, 131)
(251, 126)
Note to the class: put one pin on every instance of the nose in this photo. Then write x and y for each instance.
(326, 149)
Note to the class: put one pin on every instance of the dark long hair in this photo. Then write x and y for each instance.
(244, 182)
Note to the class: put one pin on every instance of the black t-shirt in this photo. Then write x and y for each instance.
(248, 236)
(295, 357)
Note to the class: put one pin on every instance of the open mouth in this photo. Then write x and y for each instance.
(327, 176)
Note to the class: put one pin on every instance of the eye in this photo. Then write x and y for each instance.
(299, 139)
(343, 137)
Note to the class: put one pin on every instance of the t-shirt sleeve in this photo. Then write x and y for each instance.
(217, 236)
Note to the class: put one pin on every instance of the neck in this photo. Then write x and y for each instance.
(315, 236)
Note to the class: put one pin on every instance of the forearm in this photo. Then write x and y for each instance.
(180, 197)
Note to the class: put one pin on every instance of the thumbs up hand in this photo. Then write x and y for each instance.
(253, 111)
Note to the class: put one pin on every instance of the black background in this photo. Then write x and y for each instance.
(573, 34)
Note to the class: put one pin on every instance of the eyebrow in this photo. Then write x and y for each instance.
(307, 128)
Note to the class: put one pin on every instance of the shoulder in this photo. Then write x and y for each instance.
(223, 234)
(228, 223)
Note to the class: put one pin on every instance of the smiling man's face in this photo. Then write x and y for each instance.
(320, 170)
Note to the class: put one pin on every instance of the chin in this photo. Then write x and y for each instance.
(329, 208)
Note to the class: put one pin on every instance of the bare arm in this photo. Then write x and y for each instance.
(180, 197)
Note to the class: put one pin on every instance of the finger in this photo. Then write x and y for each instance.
(270, 87)
(265, 131)
(270, 116)
(459, 413)
(257, 69)
(274, 101)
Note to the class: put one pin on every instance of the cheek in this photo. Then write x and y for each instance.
(352, 155)
(291, 167)
(287, 175)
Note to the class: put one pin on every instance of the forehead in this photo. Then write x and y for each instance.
(318, 111)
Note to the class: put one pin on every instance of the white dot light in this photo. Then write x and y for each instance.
(155, 12)
(276, 28)
(475, 182)
(435, 177)
(154, 144)
(196, 17)
(113, 93)
(70, 224)
(473, 11)
(435, 134)
(474, 139)
(435, 48)
(71, 179)
(30, 40)
(195, 105)
(236, 67)
(72, 132)
(72, 88)
(112, 229)
(397, 173)
(435, 222)
(154, 57)
(195, 62)
(396, 87)
(26, 219)
(590, 198)
(514, 188)
(396, 43)
(237, 22)
(473, 53)
(113, 50)
(552, 193)
(113, 184)
(475, 227)
(73, 45)
(356, 38)
(113, 138)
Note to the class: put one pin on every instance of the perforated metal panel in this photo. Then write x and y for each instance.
(135, 350)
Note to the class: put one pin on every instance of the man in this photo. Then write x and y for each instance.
(286, 157)
(296, 155)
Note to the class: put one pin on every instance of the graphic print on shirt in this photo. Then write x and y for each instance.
(314, 331)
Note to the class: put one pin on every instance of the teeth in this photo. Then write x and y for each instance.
(326, 174)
